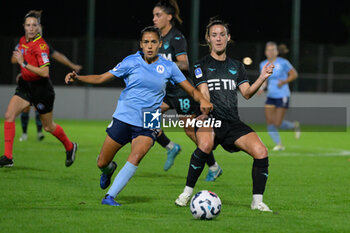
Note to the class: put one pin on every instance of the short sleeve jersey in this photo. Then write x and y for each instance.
(223, 79)
(174, 44)
(280, 72)
(145, 86)
(35, 53)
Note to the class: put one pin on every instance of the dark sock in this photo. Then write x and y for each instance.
(39, 125)
(24, 121)
(195, 169)
(211, 160)
(259, 175)
(163, 140)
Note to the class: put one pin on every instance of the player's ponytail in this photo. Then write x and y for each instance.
(35, 14)
(171, 8)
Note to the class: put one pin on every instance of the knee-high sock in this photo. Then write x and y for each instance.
(211, 160)
(61, 135)
(259, 174)
(197, 163)
(24, 121)
(287, 125)
(122, 179)
(39, 125)
(9, 135)
(163, 140)
(273, 132)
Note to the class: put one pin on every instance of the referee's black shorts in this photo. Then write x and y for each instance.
(228, 133)
(39, 93)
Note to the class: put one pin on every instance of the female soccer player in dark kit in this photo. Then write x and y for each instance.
(218, 77)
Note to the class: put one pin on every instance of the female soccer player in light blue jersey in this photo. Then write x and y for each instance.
(145, 74)
(278, 94)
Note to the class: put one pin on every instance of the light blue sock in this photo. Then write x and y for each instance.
(273, 132)
(287, 125)
(122, 179)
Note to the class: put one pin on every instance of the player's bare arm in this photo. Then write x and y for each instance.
(247, 90)
(91, 79)
(61, 58)
(292, 75)
(182, 62)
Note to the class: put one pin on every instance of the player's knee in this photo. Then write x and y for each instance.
(260, 152)
(9, 117)
(206, 147)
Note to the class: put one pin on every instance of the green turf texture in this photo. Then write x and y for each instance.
(308, 187)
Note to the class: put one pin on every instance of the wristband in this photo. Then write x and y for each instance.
(24, 64)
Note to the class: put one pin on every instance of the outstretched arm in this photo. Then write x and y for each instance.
(249, 90)
(92, 79)
(61, 58)
(206, 106)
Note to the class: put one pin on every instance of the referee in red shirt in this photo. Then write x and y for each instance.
(34, 88)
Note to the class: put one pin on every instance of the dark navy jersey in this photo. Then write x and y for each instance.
(223, 79)
(174, 44)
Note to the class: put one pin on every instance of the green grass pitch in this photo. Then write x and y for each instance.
(308, 187)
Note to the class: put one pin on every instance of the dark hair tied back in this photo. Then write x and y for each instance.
(171, 8)
(35, 14)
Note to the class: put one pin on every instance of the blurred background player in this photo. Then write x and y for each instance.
(146, 74)
(283, 50)
(61, 58)
(218, 77)
(278, 95)
(174, 48)
(34, 87)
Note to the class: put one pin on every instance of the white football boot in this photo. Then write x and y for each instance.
(279, 147)
(260, 206)
(183, 199)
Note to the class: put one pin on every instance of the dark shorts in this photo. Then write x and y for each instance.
(184, 105)
(38, 93)
(228, 133)
(278, 102)
(124, 133)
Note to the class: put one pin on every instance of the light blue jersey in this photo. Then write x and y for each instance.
(280, 72)
(145, 86)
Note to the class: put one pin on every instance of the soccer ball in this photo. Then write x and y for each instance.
(205, 205)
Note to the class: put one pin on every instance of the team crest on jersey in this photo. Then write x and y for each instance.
(117, 67)
(198, 73)
(42, 46)
(166, 45)
(45, 57)
(160, 69)
(232, 71)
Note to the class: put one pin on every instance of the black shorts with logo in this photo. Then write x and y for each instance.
(39, 93)
(228, 133)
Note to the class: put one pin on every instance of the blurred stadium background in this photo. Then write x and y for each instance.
(98, 34)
